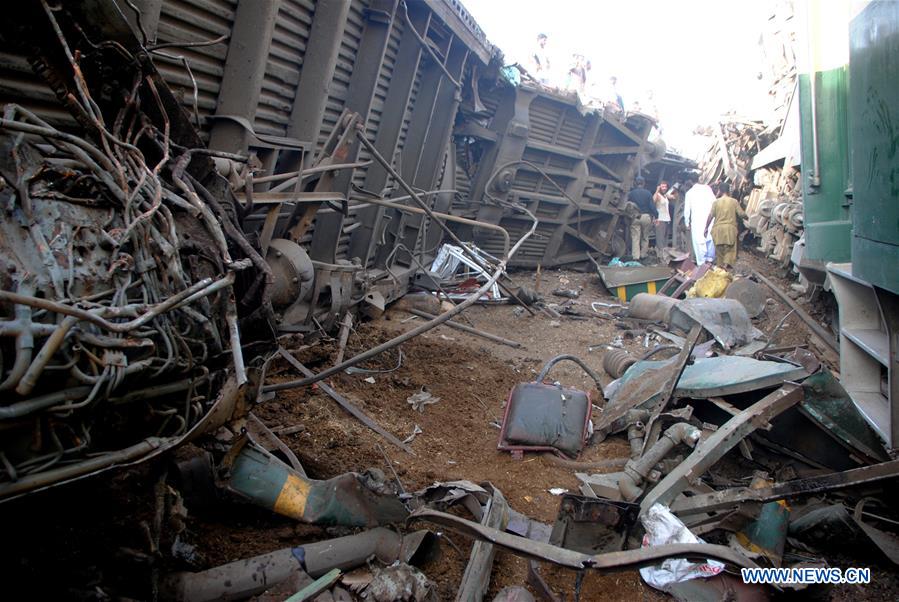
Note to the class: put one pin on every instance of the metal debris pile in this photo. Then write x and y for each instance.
(734, 143)
(120, 274)
(145, 280)
(742, 453)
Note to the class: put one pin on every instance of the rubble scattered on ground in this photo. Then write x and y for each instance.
(635, 428)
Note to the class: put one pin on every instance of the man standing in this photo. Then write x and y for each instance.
(640, 223)
(660, 198)
(577, 74)
(724, 211)
(676, 211)
(540, 61)
(697, 205)
(616, 96)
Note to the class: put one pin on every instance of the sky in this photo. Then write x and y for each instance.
(698, 58)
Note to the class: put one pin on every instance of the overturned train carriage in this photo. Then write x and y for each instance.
(569, 165)
(184, 179)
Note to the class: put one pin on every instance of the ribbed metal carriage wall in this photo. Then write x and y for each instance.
(593, 155)
(290, 67)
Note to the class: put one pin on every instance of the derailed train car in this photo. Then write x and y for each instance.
(183, 180)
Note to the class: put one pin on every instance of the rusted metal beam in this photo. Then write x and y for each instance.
(476, 578)
(709, 451)
(605, 563)
(665, 396)
(816, 328)
(345, 403)
(727, 498)
(468, 329)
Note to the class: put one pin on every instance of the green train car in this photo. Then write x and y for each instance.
(849, 106)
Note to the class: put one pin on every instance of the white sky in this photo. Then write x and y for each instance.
(700, 58)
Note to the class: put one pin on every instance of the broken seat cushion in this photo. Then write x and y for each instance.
(542, 416)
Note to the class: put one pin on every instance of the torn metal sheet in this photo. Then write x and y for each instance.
(828, 405)
(652, 390)
(476, 578)
(609, 562)
(443, 495)
(455, 263)
(263, 436)
(727, 498)
(400, 582)
(712, 449)
(766, 534)
(659, 404)
(887, 542)
(724, 319)
(750, 295)
(834, 527)
(592, 525)
(721, 376)
(519, 524)
(824, 431)
(422, 398)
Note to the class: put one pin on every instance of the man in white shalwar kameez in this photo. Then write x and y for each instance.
(697, 205)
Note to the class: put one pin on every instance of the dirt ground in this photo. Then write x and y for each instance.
(473, 377)
(458, 440)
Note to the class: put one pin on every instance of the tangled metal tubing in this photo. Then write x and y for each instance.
(120, 261)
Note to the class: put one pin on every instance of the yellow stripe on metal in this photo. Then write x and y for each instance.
(651, 287)
(622, 293)
(292, 499)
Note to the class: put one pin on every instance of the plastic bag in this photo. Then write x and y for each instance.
(662, 527)
(713, 284)
(617, 263)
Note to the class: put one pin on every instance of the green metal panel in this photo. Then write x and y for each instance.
(874, 126)
(876, 262)
(825, 207)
